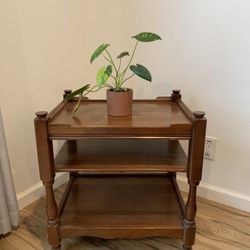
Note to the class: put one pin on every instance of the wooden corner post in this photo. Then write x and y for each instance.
(67, 92)
(47, 174)
(176, 94)
(196, 151)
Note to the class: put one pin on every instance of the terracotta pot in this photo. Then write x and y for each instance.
(120, 103)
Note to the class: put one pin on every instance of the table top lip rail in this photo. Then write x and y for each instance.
(159, 117)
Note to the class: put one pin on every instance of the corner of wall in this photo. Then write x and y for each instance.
(36, 191)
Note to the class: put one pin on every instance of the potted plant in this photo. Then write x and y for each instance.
(114, 75)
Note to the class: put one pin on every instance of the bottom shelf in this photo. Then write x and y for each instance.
(120, 206)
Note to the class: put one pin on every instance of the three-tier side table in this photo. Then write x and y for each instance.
(122, 169)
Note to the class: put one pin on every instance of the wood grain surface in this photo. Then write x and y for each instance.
(218, 228)
(121, 206)
(121, 156)
(150, 118)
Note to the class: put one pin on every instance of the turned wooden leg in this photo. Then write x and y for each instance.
(47, 175)
(195, 162)
(52, 220)
(189, 221)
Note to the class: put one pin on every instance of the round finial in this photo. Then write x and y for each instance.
(176, 95)
(67, 91)
(176, 91)
(199, 114)
(41, 114)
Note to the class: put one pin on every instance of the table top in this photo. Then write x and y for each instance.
(150, 118)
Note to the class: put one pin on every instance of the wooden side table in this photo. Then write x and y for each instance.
(122, 169)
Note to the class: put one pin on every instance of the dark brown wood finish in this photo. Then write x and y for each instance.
(196, 151)
(121, 156)
(139, 199)
(150, 118)
(131, 207)
(218, 228)
(47, 174)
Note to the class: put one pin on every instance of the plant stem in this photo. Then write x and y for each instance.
(131, 58)
(126, 79)
(80, 98)
(110, 86)
(114, 78)
(111, 61)
(107, 59)
(89, 91)
(93, 91)
(77, 105)
(120, 63)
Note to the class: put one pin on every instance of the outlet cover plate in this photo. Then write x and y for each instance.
(210, 148)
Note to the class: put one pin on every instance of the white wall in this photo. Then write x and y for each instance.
(45, 48)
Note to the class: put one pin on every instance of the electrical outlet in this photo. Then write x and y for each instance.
(210, 148)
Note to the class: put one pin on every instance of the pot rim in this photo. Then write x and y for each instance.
(120, 92)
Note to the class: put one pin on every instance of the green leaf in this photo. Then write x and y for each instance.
(125, 53)
(141, 71)
(109, 70)
(98, 51)
(77, 92)
(103, 75)
(147, 37)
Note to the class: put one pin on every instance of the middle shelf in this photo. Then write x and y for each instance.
(93, 155)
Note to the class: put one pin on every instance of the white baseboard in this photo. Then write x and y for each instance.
(36, 191)
(218, 194)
